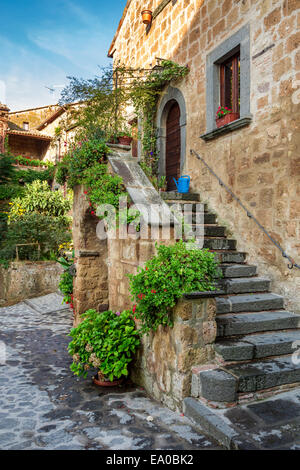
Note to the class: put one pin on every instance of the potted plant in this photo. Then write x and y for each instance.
(147, 16)
(162, 183)
(105, 342)
(225, 115)
(125, 137)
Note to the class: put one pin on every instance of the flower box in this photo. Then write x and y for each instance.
(227, 119)
(125, 140)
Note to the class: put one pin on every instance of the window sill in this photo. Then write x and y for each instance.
(232, 126)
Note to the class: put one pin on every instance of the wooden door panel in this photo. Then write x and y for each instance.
(173, 146)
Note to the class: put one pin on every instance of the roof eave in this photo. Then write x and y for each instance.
(112, 49)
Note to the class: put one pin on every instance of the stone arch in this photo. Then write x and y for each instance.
(161, 118)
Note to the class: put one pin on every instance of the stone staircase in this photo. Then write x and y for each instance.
(255, 334)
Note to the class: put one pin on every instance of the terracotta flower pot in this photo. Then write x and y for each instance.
(147, 16)
(125, 140)
(106, 383)
(227, 119)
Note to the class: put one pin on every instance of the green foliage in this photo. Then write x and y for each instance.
(10, 191)
(80, 157)
(66, 279)
(28, 176)
(7, 170)
(31, 162)
(175, 270)
(103, 188)
(105, 341)
(38, 197)
(50, 232)
(66, 287)
(103, 102)
(144, 95)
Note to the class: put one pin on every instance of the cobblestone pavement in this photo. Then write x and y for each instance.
(43, 406)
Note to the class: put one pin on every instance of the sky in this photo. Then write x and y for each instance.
(44, 41)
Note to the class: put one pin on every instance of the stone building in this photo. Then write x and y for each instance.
(37, 133)
(257, 155)
(235, 345)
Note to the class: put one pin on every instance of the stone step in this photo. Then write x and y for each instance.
(247, 323)
(175, 196)
(219, 244)
(227, 256)
(206, 218)
(238, 270)
(209, 230)
(233, 286)
(244, 285)
(224, 385)
(249, 303)
(258, 346)
(188, 206)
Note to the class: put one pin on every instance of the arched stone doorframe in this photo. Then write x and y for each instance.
(161, 120)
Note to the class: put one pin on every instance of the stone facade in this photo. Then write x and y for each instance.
(34, 116)
(3, 125)
(26, 280)
(164, 362)
(91, 281)
(259, 162)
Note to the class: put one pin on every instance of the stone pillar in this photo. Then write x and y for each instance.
(91, 281)
(4, 110)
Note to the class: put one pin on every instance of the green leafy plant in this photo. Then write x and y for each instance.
(47, 231)
(175, 270)
(38, 197)
(222, 111)
(7, 169)
(32, 162)
(80, 157)
(66, 279)
(104, 341)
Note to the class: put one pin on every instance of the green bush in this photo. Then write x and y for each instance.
(38, 197)
(7, 170)
(81, 156)
(175, 270)
(102, 187)
(32, 162)
(10, 191)
(105, 341)
(29, 176)
(50, 232)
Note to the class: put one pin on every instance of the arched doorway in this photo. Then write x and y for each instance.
(171, 138)
(173, 145)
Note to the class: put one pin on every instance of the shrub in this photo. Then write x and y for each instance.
(38, 197)
(50, 232)
(175, 270)
(7, 170)
(105, 341)
(103, 188)
(80, 157)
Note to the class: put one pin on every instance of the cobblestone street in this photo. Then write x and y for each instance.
(43, 406)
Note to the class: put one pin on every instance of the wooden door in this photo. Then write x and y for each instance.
(173, 146)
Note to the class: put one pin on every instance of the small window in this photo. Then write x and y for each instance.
(26, 126)
(230, 83)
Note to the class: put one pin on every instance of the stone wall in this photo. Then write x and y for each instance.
(26, 279)
(33, 116)
(91, 281)
(164, 362)
(260, 162)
